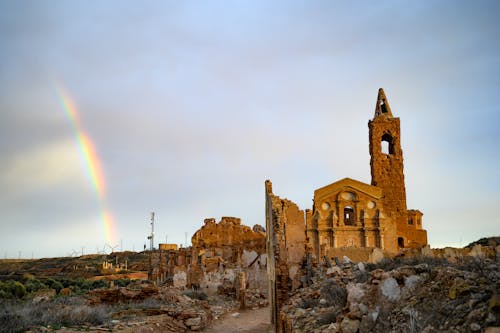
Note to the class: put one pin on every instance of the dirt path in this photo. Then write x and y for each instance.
(248, 321)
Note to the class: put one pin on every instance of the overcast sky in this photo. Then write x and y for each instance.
(192, 105)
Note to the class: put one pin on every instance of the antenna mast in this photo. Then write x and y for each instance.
(152, 230)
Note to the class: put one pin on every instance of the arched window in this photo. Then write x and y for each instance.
(387, 144)
(349, 216)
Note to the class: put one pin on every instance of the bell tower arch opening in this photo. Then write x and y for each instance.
(387, 144)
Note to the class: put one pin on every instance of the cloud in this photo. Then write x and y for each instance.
(48, 165)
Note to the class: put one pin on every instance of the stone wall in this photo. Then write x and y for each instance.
(222, 256)
(286, 250)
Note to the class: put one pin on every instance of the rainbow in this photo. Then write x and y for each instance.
(91, 161)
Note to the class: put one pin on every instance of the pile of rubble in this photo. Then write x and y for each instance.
(169, 309)
(413, 295)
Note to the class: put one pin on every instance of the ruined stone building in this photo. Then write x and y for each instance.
(350, 213)
(348, 217)
(222, 255)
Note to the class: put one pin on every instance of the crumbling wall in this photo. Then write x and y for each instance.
(226, 257)
(286, 250)
(227, 249)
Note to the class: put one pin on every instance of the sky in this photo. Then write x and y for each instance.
(110, 110)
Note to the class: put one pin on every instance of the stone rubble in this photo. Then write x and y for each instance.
(424, 295)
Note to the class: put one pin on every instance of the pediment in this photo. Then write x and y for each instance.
(348, 184)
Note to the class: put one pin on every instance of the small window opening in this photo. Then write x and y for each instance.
(410, 221)
(401, 242)
(387, 144)
(349, 215)
(382, 106)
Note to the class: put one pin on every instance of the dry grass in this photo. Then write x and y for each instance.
(19, 316)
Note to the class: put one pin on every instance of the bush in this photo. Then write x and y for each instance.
(34, 285)
(54, 284)
(67, 311)
(12, 289)
(148, 303)
(122, 282)
(96, 284)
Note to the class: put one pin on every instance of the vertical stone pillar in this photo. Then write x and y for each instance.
(242, 293)
(286, 241)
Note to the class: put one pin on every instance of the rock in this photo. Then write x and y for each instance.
(475, 327)
(361, 267)
(235, 315)
(374, 315)
(349, 325)
(411, 281)
(43, 295)
(376, 256)
(346, 260)
(363, 308)
(390, 289)
(355, 294)
(193, 321)
(378, 274)
(477, 251)
(334, 270)
(429, 329)
(300, 312)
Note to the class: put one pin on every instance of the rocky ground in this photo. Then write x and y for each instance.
(402, 295)
(247, 321)
(139, 307)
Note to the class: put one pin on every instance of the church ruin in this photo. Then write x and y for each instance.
(347, 217)
(350, 213)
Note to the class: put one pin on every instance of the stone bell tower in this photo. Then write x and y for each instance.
(386, 160)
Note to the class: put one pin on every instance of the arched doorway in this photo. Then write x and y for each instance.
(401, 242)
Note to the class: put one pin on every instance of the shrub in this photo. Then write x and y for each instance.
(99, 284)
(122, 282)
(67, 311)
(12, 289)
(86, 285)
(148, 303)
(34, 285)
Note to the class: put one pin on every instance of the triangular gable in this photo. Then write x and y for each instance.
(345, 184)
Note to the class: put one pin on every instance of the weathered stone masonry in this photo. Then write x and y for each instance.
(225, 257)
(347, 217)
(286, 250)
